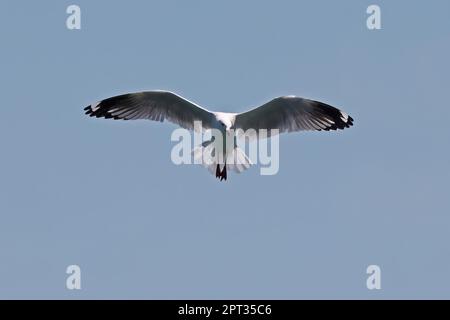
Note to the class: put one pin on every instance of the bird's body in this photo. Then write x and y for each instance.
(284, 114)
(224, 123)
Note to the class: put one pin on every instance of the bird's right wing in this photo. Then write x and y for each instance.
(288, 114)
(152, 105)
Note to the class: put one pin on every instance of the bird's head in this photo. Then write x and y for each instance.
(224, 125)
(224, 121)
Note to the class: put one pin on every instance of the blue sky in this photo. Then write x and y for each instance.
(104, 195)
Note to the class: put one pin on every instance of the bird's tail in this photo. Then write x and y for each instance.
(236, 160)
(204, 155)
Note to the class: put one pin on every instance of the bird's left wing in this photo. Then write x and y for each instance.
(151, 105)
(291, 113)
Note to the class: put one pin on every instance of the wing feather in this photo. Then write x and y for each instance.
(288, 114)
(151, 105)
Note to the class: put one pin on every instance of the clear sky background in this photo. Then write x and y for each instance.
(105, 195)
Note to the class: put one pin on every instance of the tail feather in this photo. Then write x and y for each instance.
(204, 155)
(236, 161)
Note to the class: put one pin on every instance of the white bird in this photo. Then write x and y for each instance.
(287, 114)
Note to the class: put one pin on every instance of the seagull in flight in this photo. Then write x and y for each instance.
(286, 114)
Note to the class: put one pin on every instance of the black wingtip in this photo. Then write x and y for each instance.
(341, 123)
(89, 111)
(349, 122)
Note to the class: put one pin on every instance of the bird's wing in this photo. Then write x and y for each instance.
(288, 114)
(151, 105)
